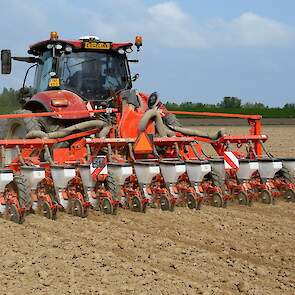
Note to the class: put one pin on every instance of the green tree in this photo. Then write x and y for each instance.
(230, 102)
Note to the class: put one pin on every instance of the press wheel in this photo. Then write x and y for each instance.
(191, 201)
(217, 200)
(266, 197)
(243, 198)
(136, 204)
(77, 209)
(107, 206)
(290, 195)
(15, 216)
(165, 203)
(144, 207)
(46, 210)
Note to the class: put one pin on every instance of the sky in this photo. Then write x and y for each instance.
(194, 50)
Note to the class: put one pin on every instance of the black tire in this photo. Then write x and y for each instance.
(191, 202)
(46, 210)
(9, 127)
(49, 124)
(15, 215)
(22, 187)
(165, 203)
(266, 197)
(77, 208)
(243, 198)
(112, 186)
(136, 204)
(290, 195)
(217, 200)
(107, 206)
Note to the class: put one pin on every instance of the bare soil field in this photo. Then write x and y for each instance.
(238, 250)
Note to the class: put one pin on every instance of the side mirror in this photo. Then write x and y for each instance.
(5, 61)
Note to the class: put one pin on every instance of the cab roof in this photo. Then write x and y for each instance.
(41, 46)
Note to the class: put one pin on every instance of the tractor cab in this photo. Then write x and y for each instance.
(91, 68)
(88, 68)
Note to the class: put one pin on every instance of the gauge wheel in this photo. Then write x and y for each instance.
(136, 204)
(243, 198)
(199, 205)
(15, 216)
(54, 213)
(46, 210)
(165, 203)
(266, 197)
(77, 209)
(191, 201)
(290, 195)
(217, 200)
(144, 207)
(85, 212)
(107, 206)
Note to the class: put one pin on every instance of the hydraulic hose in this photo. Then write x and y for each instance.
(69, 130)
(155, 115)
(193, 132)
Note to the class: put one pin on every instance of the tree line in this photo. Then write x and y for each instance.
(227, 102)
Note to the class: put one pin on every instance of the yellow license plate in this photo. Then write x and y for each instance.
(54, 82)
(97, 45)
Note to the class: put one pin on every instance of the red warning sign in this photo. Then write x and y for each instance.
(230, 161)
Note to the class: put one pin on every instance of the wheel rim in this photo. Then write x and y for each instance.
(77, 208)
(266, 197)
(47, 212)
(191, 202)
(14, 214)
(165, 203)
(107, 206)
(136, 204)
(217, 200)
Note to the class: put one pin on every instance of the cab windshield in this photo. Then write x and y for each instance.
(93, 75)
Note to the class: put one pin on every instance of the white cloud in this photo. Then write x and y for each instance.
(250, 29)
(167, 10)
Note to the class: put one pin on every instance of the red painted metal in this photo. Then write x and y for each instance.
(75, 103)
(77, 44)
(224, 115)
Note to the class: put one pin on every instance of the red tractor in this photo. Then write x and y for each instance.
(85, 139)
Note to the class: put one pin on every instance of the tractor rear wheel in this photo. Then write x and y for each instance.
(19, 127)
